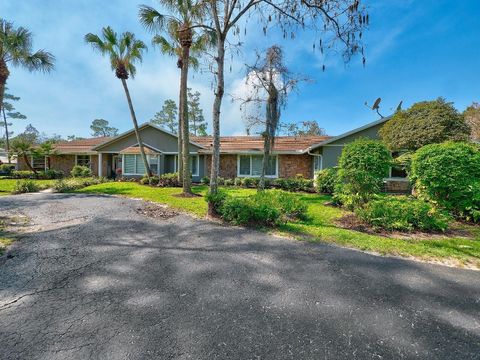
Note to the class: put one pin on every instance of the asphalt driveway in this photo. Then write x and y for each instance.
(96, 279)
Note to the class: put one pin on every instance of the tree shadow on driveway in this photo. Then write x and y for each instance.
(120, 285)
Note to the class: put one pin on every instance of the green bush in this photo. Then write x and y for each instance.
(51, 174)
(152, 180)
(325, 180)
(217, 199)
(448, 175)
(403, 214)
(237, 181)
(6, 169)
(205, 180)
(220, 181)
(23, 174)
(79, 171)
(169, 180)
(250, 182)
(266, 208)
(72, 184)
(229, 182)
(297, 183)
(362, 167)
(25, 186)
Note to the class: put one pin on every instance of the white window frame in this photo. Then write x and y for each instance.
(89, 160)
(255, 176)
(321, 163)
(44, 159)
(135, 164)
(175, 164)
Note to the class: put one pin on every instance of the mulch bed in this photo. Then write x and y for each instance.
(352, 222)
(157, 211)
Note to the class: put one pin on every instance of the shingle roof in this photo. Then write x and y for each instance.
(81, 146)
(232, 144)
(136, 150)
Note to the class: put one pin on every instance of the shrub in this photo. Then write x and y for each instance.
(169, 180)
(250, 182)
(80, 171)
(297, 183)
(237, 181)
(6, 169)
(220, 181)
(229, 182)
(403, 214)
(325, 180)
(68, 185)
(23, 174)
(448, 174)
(216, 199)
(25, 186)
(152, 180)
(51, 174)
(205, 180)
(362, 167)
(266, 208)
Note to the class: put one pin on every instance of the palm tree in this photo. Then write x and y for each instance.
(183, 42)
(123, 51)
(22, 147)
(16, 49)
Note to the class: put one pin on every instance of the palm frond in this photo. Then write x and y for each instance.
(164, 45)
(40, 61)
(151, 19)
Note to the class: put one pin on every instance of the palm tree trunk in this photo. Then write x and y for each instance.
(187, 189)
(180, 135)
(4, 73)
(7, 136)
(27, 162)
(215, 168)
(135, 125)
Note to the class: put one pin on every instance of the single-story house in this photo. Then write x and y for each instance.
(240, 156)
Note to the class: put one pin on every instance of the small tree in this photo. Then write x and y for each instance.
(22, 147)
(46, 149)
(472, 118)
(9, 113)
(362, 167)
(167, 117)
(198, 124)
(100, 127)
(448, 174)
(426, 122)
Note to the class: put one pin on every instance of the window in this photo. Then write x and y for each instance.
(398, 171)
(317, 163)
(133, 164)
(38, 162)
(194, 164)
(251, 165)
(83, 160)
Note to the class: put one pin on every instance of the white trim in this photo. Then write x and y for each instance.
(256, 176)
(141, 127)
(135, 164)
(198, 166)
(321, 163)
(100, 160)
(351, 132)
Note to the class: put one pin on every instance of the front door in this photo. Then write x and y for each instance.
(116, 165)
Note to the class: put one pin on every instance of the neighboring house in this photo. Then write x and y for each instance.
(240, 156)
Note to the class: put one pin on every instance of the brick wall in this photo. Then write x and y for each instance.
(64, 163)
(292, 165)
(228, 166)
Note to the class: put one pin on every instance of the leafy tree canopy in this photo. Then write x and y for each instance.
(426, 122)
(100, 127)
(472, 118)
(304, 128)
(167, 117)
(198, 124)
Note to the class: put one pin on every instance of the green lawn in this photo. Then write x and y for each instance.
(7, 185)
(319, 227)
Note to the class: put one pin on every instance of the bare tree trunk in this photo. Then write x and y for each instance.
(180, 135)
(215, 168)
(135, 125)
(266, 155)
(187, 189)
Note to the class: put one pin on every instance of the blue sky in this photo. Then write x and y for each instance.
(416, 50)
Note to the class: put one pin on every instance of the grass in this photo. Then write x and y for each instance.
(320, 225)
(7, 185)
